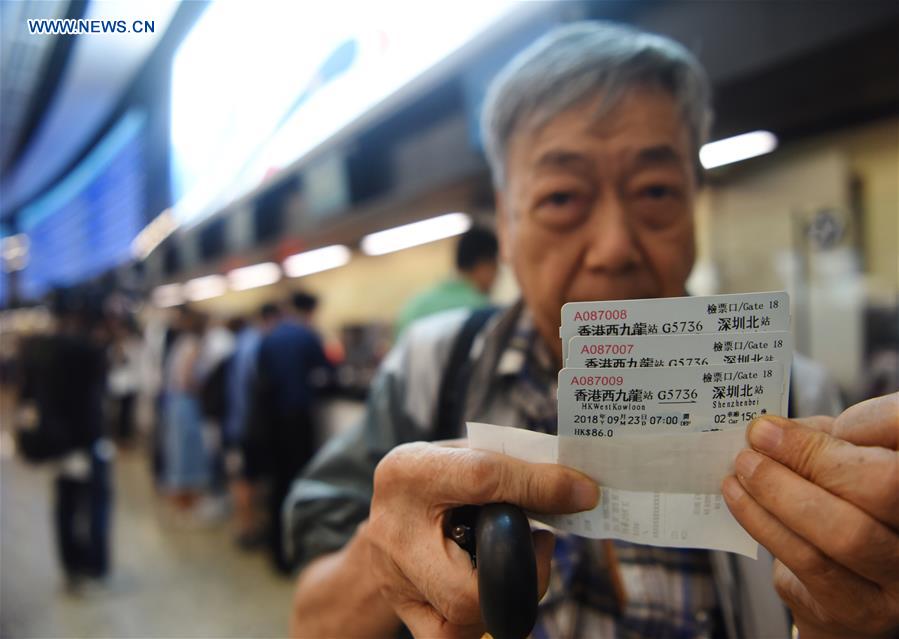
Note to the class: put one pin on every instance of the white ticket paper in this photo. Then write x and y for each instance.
(673, 519)
(671, 463)
(605, 403)
(705, 349)
(746, 312)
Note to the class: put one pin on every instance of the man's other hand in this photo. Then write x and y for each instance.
(822, 495)
(427, 579)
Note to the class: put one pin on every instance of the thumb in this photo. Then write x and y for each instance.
(874, 422)
(544, 544)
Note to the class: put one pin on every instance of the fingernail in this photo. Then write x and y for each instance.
(765, 436)
(585, 495)
(732, 489)
(747, 462)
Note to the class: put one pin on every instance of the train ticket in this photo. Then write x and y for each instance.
(701, 349)
(600, 403)
(705, 349)
(746, 312)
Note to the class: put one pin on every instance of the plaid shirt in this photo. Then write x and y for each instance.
(669, 592)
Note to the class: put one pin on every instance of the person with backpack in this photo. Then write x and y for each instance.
(63, 381)
(593, 135)
(477, 265)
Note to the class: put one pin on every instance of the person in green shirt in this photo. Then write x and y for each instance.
(476, 266)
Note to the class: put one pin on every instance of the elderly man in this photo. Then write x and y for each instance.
(592, 136)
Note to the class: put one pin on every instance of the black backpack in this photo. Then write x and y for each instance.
(454, 382)
(50, 440)
(214, 391)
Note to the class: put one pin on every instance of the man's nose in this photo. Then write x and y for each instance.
(612, 244)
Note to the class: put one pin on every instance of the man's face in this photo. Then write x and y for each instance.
(599, 209)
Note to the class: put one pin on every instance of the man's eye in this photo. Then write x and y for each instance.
(562, 209)
(658, 191)
(560, 198)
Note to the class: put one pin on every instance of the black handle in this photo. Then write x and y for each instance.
(502, 548)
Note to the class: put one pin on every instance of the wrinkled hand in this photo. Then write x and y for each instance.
(822, 495)
(427, 578)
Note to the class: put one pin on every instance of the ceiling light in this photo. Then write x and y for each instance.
(316, 261)
(241, 279)
(408, 235)
(168, 295)
(737, 148)
(204, 288)
(153, 234)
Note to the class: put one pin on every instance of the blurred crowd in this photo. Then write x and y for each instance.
(232, 406)
(226, 410)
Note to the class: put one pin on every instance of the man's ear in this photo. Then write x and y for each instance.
(503, 230)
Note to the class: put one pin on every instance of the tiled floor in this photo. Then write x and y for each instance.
(168, 582)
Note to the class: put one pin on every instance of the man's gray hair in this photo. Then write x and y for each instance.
(575, 62)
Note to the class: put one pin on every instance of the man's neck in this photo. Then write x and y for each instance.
(470, 281)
